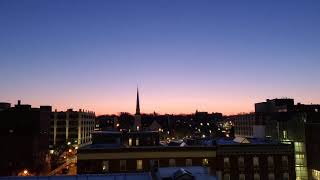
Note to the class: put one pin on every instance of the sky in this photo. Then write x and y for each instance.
(207, 55)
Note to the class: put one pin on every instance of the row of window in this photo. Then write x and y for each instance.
(256, 176)
(255, 161)
(153, 163)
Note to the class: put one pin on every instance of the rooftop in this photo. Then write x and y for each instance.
(120, 176)
(200, 173)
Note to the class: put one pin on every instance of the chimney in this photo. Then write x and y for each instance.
(19, 102)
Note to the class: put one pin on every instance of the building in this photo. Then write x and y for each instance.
(219, 157)
(248, 125)
(255, 159)
(24, 133)
(312, 127)
(107, 123)
(4, 106)
(71, 127)
(282, 120)
(275, 105)
(123, 176)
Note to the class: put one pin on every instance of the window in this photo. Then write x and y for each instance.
(123, 164)
(256, 176)
(300, 159)
(105, 166)
(188, 162)
(315, 174)
(255, 162)
(270, 161)
(205, 162)
(271, 176)
(242, 177)
(226, 177)
(285, 161)
(241, 162)
(301, 172)
(154, 163)
(130, 141)
(285, 134)
(139, 165)
(226, 162)
(299, 147)
(172, 162)
(137, 142)
(285, 176)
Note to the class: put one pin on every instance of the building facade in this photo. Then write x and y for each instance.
(286, 122)
(219, 157)
(71, 127)
(24, 133)
(248, 125)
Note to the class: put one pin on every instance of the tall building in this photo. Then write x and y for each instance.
(71, 127)
(24, 134)
(282, 120)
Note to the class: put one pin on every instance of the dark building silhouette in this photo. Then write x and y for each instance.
(24, 132)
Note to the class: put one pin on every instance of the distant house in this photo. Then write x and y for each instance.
(155, 126)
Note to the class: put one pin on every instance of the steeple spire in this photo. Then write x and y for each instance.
(138, 103)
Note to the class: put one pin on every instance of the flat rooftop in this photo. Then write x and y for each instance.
(120, 176)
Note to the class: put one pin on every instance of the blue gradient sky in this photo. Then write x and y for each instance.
(184, 55)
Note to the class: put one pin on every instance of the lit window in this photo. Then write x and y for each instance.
(137, 142)
(315, 174)
(270, 161)
(226, 162)
(242, 176)
(299, 147)
(256, 176)
(139, 165)
(285, 135)
(205, 162)
(188, 162)
(255, 162)
(123, 164)
(241, 162)
(300, 159)
(105, 166)
(172, 162)
(130, 141)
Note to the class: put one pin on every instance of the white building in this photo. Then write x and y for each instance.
(71, 127)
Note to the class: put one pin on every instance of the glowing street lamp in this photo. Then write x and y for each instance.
(25, 172)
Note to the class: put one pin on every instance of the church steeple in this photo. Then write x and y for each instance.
(138, 103)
